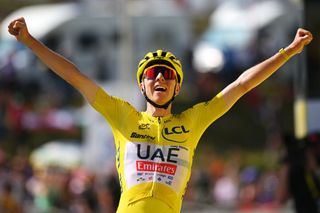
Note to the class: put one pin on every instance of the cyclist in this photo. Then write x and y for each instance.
(155, 148)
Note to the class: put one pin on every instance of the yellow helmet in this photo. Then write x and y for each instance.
(162, 58)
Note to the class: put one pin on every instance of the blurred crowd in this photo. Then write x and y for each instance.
(53, 189)
(227, 185)
(30, 106)
(224, 184)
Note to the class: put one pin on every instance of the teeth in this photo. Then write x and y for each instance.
(160, 88)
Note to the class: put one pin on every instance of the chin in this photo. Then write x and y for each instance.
(161, 98)
(160, 101)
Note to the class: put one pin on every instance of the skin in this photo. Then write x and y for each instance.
(88, 88)
(159, 97)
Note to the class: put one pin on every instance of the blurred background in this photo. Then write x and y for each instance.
(57, 153)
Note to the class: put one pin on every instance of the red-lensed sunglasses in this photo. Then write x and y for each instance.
(152, 73)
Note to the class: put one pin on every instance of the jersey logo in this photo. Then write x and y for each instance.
(146, 162)
(158, 154)
(168, 134)
(140, 136)
(144, 126)
(158, 160)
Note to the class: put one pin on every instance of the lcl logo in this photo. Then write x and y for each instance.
(176, 130)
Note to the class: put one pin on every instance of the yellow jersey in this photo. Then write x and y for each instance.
(154, 154)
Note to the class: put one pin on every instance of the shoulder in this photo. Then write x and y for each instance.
(104, 101)
(216, 101)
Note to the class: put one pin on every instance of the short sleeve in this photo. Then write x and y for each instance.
(205, 113)
(112, 108)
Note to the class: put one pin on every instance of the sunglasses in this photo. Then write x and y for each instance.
(152, 72)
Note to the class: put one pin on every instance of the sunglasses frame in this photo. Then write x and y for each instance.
(163, 66)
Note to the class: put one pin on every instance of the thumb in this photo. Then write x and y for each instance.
(18, 25)
(305, 36)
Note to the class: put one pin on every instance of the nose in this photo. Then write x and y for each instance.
(160, 77)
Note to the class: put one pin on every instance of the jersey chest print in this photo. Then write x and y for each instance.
(147, 162)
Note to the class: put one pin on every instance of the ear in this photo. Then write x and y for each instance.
(142, 88)
(177, 89)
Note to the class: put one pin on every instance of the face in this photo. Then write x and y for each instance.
(160, 90)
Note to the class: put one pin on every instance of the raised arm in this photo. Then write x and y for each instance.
(57, 63)
(260, 72)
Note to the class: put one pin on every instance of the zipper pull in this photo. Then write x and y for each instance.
(159, 120)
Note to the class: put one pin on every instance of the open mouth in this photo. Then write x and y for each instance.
(160, 89)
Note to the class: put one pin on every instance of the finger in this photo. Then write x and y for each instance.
(308, 36)
(305, 36)
(13, 32)
(12, 23)
(309, 39)
(19, 25)
(21, 19)
(306, 41)
(303, 32)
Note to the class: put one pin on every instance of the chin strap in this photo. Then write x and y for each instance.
(164, 106)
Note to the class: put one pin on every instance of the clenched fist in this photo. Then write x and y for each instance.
(303, 37)
(19, 29)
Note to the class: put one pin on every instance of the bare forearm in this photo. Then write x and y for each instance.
(257, 74)
(64, 68)
(260, 72)
(57, 63)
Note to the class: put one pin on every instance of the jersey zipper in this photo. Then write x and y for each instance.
(159, 129)
(158, 142)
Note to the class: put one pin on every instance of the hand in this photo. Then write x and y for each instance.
(303, 37)
(19, 29)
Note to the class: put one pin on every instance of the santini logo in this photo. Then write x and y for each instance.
(176, 130)
(136, 135)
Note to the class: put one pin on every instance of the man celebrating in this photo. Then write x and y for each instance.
(155, 148)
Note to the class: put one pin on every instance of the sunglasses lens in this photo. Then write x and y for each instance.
(153, 72)
(150, 73)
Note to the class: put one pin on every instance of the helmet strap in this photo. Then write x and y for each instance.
(163, 106)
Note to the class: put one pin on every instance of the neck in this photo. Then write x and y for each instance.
(158, 112)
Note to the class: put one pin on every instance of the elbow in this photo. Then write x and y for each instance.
(71, 67)
(243, 86)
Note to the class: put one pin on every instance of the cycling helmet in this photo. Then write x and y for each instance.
(162, 58)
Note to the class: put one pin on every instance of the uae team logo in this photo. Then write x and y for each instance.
(148, 162)
(156, 163)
